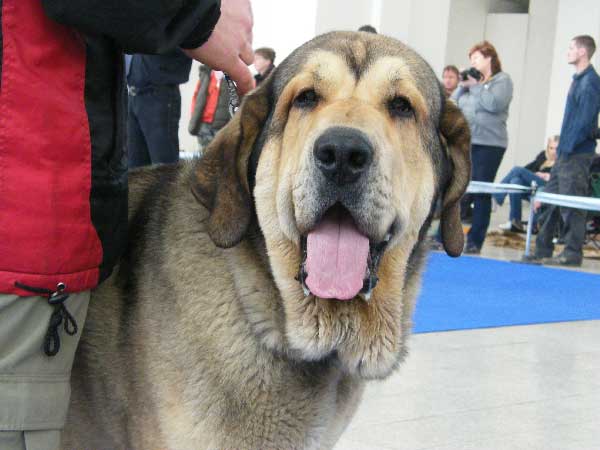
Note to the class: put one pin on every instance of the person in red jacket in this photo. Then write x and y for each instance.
(210, 106)
(63, 174)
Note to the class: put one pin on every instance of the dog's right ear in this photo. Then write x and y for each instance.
(456, 137)
(221, 176)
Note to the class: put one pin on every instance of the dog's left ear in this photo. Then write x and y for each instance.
(455, 134)
(221, 175)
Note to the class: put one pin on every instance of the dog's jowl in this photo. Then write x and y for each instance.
(265, 283)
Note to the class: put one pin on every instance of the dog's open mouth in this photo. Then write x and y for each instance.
(338, 261)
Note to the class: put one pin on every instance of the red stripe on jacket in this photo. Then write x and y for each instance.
(46, 231)
(212, 99)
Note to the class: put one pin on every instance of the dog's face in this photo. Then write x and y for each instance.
(347, 147)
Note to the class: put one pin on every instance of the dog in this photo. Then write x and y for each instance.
(265, 283)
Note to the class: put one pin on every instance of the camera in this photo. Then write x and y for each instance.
(471, 72)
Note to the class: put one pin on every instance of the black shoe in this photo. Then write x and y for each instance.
(513, 226)
(517, 227)
(561, 260)
(471, 249)
(531, 259)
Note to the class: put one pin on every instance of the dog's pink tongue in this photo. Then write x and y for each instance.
(336, 259)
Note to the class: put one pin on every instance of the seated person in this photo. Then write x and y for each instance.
(538, 171)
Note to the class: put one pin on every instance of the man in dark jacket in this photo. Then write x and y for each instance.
(577, 147)
(154, 106)
(63, 174)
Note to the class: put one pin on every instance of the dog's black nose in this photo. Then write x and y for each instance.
(343, 154)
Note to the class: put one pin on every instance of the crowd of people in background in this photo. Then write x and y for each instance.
(484, 92)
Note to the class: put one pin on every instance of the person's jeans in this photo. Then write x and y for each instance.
(569, 176)
(523, 177)
(485, 160)
(153, 126)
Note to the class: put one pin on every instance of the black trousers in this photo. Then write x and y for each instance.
(485, 160)
(569, 176)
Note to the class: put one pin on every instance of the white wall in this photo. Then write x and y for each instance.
(343, 14)
(574, 17)
(394, 19)
(428, 30)
(283, 25)
(508, 33)
(466, 27)
(531, 137)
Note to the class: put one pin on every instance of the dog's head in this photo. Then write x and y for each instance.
(342, 154)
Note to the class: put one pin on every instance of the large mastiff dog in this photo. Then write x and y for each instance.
(265, 283)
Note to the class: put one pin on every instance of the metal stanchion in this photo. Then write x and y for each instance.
(534, 188)
(567, 201)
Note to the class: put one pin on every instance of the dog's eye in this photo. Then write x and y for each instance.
(400, 107)
(306, 99)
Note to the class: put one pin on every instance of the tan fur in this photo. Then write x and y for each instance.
(203, 338)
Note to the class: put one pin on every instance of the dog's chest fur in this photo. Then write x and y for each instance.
(204, 327)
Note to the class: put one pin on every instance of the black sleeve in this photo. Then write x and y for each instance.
(140, 26)
(596, 134)
(535, 165)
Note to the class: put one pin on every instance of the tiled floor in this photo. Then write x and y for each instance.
(514, 388)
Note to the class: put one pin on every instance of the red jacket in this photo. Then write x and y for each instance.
(63, 169)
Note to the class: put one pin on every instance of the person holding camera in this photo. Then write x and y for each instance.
(484, 95)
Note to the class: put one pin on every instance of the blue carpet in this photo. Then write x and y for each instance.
(468, 292)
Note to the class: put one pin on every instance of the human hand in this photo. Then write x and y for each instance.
(543, 175)
(470, 81)
(537, 205)
(229, 47)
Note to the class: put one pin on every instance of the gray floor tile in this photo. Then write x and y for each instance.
(528, 387)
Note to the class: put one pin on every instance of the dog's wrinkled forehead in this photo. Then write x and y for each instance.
(360, 51)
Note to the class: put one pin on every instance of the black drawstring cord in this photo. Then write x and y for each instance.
(60, 315)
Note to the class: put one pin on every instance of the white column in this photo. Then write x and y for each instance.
(428, 30)
(395, 19)
(349, 15)
(535, 88)
(508, 34)
(575, 17)
(466, 27)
